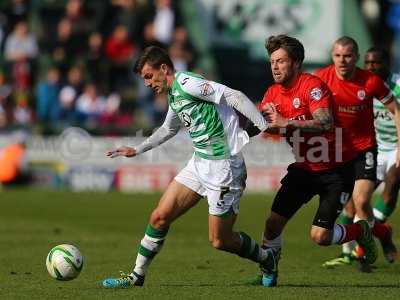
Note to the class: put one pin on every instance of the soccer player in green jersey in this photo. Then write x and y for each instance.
(216, 170)
(377, 61)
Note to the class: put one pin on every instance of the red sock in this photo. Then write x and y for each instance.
(352, 232)
(381, 230)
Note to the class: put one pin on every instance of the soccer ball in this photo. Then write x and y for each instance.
(64, 262)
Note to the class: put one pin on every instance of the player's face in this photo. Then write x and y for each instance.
(283, 67)
(344, 59)
(155, 78)
(374, 63)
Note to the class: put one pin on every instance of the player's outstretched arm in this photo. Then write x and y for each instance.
(169, 129)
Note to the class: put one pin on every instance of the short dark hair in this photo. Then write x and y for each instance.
(155, 57)
(383, 53)
(346, 40)
(291, 45)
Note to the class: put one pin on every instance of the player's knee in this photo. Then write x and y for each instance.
(159, 219)
(321, 237)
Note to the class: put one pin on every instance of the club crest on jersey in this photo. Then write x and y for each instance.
(206, 89)
(296, 102)
(316, 94)
(361, 94)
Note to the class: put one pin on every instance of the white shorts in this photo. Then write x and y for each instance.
(385, 161)
(221, 181)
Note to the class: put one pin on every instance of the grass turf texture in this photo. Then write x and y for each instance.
(108, 227)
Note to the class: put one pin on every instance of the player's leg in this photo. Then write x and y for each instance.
(224, 187)
(346, 257)
(222, 237)
(297, 188)
(384, 206)
(390, 175)
(182, 193)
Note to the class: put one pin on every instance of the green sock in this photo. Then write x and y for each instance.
(343, 219)
(382, 211)
(150, 245)
(249, 249)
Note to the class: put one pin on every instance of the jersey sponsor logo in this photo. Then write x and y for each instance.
(206, 89)
(352, 109)
(186, 119)
(296, 102)
(316, 94)
(184, 80)
(361, 94)
(383, 115)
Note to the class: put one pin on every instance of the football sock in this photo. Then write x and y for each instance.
(275, 244)
(339, 232)
(344, 219)
(381, 230)
(250, 249)
(150, 245)
(382, 211)
(350, 232)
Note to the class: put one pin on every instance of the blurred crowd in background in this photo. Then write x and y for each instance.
(69, 63)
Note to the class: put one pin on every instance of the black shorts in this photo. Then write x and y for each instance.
(299, 186)
(365, 164)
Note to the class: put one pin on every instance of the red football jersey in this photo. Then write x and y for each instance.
(353, 105)
(312, 151)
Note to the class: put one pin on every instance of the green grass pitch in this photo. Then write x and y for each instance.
(107, 228)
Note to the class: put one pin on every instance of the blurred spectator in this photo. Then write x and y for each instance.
(13, 161)
(90, 105)
(82, 23)
(164, 21)
(47, 105)
(95, 62)
(16, 11)
(120, 50)
(22, 113)
(20, 44)
(182, 50)
(68, 95)
(112, 116)
(20, 51)
(64, 47)
(5, 92)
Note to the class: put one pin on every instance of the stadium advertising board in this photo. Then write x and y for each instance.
(317, 23)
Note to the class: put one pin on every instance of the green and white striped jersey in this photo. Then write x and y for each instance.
(386, 133)
(212, 124)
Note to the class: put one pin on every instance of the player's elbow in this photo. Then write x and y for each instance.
(327, 125)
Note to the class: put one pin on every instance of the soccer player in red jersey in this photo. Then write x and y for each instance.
(298, 106)
(353, 91)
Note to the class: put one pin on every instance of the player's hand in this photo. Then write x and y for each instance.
(398, 157)
(274, 118)
(122, 151)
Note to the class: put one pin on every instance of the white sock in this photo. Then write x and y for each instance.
(348, 247)
(371, 222)
(275, 244)
(339, 232)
